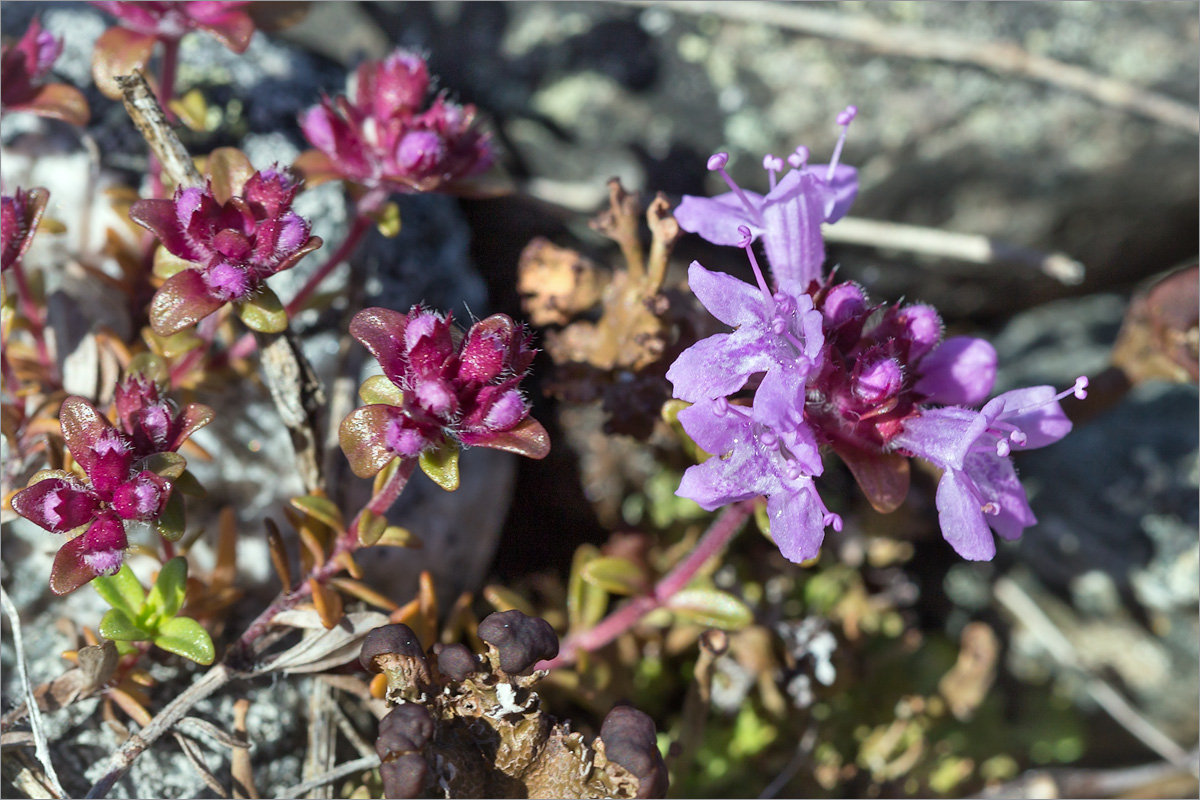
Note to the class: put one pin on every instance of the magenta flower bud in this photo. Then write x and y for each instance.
(506, 411)
(404, 439)
(923, 328)
(143, 498)
(19, 217)
(843, 302)
(879, 381)
(420, 152)
(228, 282)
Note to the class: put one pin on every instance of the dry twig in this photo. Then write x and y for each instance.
(337, 773)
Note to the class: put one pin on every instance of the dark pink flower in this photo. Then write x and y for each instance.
(119, 487)
(466, 390)
(24, 67)
(19, 217)
(122, 48)
(151, 421)
(231, 245)
(383, 136)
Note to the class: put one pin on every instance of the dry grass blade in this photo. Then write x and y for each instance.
(41, 746)
(337, 773)
(243, 773)
(279, 555)
(196, 759)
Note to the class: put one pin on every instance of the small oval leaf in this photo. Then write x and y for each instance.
(169, 590)
(616, 575)
(166, 465)
(395, 536)
(117, 625)
(321, 509)
(171, 524)
(370, 527)
(264, 312)
(712, 608)
(378, 389)
(122, 591)
(185, 637)
(441, 465)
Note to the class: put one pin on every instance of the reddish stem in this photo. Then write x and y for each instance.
(347, 543)
(360, 226)
(714, 539)
(36, 318)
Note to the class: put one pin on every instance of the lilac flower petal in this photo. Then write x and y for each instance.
(714, 433)
(792, 215)
(942, 435)
(997, 482)
(962, 520)
(719, 365)
(716, 219)
(959, 371)
(797, 523)
(840, 191)
(779, 404)
(727, 298)
(711, 485)
(1036, 413)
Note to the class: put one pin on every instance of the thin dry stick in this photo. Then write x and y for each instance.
(1002, 57)
(40, 746)
(962, 246)
(345, 770)
(1144, 780)
(1024, 608)
(151, 122)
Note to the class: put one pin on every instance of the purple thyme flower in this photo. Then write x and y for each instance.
(234, 238)
(19, 217)
(788, 218)
(118, 489)
(151, 421)
(979, 487)
(766, 450)
(775, 333)
(467, 391)
(384, 137)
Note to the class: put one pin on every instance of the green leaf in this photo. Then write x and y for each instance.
(370, 527)
(387, 220)
(122, 591)
(616, 575)
(171, 524)
(185, 637)
(166, 596)
(152, 367)
(187, 483)
(117, 625)
(264, 312)
(395, 536)
(712, 608)
(167, 465)
(441, 465)
(321, 509)
(167, 264)
(377, 389)
(586, 602)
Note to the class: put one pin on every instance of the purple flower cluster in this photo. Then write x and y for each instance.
(874, 383)
(442, 387)
(384, 137)
(19, 217)
(231, 243)
(25, 65)
(124, 481)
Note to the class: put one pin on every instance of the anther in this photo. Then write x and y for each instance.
(772, 165)
(758, 274)
(768, 437)
(1018, 438)
(990, 508)
(716, 163)
(1081, 384)
(799, 158)
(1002, 448)
(720, 406)
(832, 520)
(844, 119)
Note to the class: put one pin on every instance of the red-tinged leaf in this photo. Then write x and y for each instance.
(159, 217)
(233, 29)
(82, 425)
(119, 51)
(315, 168)
(362, 438)
(228, 168)
(70, 571)
(381, 331)
(883, 477)
(59, 101)
(313, 243)
(182, 301)
(193, 417)
(529, 438)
